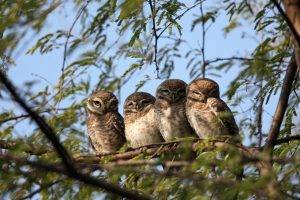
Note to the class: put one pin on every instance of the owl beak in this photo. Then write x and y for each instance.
(173, 97)
(138, 106)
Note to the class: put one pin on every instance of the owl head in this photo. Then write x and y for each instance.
(101, 102)
(137, 102)
(172, 90)
(201, 89)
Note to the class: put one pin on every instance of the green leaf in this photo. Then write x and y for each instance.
(131, 8)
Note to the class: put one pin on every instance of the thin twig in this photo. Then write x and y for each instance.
(259, 116)
(43, 187)
(67, 42)
(287, 139)
(178, 17)
(153, 16)
(203, 68)
(23, 147)
(14, 118)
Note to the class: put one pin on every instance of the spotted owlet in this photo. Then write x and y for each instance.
(207, 113)
(141, 127)
(105, 125)
(170, 109)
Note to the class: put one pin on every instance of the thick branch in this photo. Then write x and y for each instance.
(291, 16)
(282, 104)
(165, 147)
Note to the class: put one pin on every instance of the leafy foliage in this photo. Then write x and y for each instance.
(90, 44)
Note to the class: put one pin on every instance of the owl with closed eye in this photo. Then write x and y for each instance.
(207, 113)
(141, 127)
(170, 109)
(104, 124)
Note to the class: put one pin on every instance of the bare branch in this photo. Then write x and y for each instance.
(203, 68)
(282, 104)
(43, 187)
(165, 147)
(287, 139)
(153, 16)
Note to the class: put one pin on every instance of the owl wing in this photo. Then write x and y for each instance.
(118, 124)
(90, 141)
(226, 116)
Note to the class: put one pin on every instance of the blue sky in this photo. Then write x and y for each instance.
(49, 65)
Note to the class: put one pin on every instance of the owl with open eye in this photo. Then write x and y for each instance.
(141, 127)
(170, 109)
(207, 113)
(104, 124)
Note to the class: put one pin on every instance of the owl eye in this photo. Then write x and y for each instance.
(181, 91)
(130, 104)
(197, 93)
(97, 103)
(145, 101)
(165, 91)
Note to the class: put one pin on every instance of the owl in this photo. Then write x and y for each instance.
(207, 113)
(170, 109)
(141, 127)
(104, 124)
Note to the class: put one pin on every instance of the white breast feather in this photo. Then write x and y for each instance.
(143, 131)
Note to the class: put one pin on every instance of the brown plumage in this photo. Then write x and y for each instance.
(170, 109)
(207, 113)
(141, 127)
(105, 125)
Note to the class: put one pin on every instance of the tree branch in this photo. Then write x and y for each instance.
(203, 68)
(179, 16)
(27, 148)
(288, 19)
(42, 187)
(165, 147)
(153, 16)
(282, 104)
(287, 139)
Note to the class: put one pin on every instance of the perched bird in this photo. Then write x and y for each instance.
(170, 109)
(105, 125)
(207, 113)
(141, 127)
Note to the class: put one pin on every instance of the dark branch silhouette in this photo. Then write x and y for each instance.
(287, 139)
